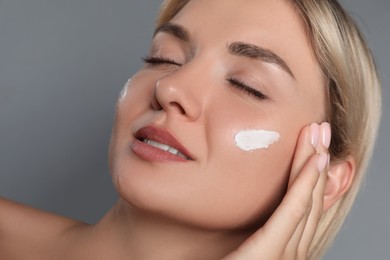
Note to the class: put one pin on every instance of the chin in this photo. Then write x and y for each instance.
(173, 203)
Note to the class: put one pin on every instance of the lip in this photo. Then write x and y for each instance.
(150, 153)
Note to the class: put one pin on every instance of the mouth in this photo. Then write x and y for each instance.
(165, 148)
(157, 144)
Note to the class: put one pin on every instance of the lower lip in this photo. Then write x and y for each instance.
(151, 153)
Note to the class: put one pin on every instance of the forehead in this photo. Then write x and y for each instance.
(271, 24)
(245, 17)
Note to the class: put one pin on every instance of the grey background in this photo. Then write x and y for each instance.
(62, 65)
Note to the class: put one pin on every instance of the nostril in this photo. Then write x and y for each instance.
(156, 105)
(170, 98)
(178, 107)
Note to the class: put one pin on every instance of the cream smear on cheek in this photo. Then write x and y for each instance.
(250, 140)
(123, 92)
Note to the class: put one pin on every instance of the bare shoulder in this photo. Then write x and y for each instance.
(26, 230)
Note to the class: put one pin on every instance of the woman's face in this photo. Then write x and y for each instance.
(217, 68)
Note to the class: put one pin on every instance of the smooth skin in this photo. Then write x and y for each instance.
(224, 188)
(189, 210)
(27, 233)
(290, 230)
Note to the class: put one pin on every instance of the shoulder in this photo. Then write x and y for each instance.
(26, 230)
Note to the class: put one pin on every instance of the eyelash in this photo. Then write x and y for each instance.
(245, 88)
(159, 60)
(233, 81)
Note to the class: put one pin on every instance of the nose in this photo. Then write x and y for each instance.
(177, 97)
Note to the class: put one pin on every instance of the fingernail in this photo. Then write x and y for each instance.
(322, 162)
(325, 134)
(314, 134)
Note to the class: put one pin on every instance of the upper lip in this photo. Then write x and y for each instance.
(161, 136)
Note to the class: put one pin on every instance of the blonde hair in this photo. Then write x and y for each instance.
(353, 85)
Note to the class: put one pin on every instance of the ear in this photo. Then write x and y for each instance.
(340, 177)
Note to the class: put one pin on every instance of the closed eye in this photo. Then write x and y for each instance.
(159, 60)
(233, 81)
(246, 89)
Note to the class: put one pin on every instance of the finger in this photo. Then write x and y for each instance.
(313, 218)
(273, 237)
(319, 142)
(291, 250)
(318, 199)
(306, 146)
(298, 246)
(301, 240)
(281, 226)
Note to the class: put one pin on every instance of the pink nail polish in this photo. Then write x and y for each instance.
(314, 134)
(325, 134)
(322, 162)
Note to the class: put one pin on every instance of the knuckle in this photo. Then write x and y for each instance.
(298, 211)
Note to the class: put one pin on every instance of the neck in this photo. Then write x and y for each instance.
(127, 232)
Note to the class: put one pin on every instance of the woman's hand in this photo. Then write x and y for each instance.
(289, 231)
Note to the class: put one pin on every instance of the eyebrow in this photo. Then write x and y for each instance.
(175, 30)
(255, 52)
(236, 48)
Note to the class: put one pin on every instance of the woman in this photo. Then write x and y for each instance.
(220, 144)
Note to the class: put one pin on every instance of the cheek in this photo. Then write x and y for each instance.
(252, 184)
(133, 100)
(135, 95)
(243, 188)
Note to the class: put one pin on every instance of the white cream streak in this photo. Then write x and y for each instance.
(123, 92)
(249, 140)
